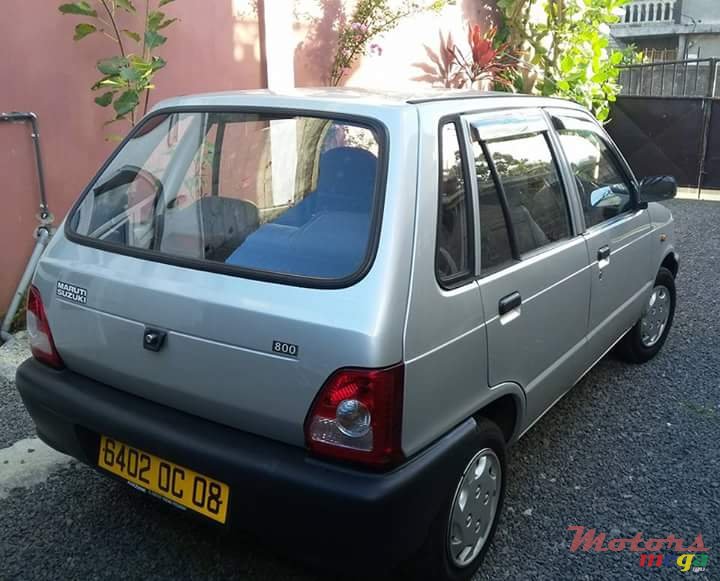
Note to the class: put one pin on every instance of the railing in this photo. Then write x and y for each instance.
(647, 11)
(688, 78)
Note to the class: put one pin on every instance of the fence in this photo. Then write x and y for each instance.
(688, 78)
(667, 120)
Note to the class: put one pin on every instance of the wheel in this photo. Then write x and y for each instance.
(461, 534)
(648, 335)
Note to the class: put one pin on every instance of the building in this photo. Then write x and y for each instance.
(671, 29)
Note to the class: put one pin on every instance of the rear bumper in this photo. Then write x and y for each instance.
(325, 512)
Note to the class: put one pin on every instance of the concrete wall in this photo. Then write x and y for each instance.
(216, 45)
(702, 11)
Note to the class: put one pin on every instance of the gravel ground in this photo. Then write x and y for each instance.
(631, 448)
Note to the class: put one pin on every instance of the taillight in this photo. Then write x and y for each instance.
(357, 416)
(41, 340)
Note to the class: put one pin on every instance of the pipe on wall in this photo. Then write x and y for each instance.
(42, 233)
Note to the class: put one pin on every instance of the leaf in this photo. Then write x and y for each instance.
(126, 5)
(112, 66)
(157, 63)
(82, 8)
(167, 23)
(154, 40)
(130, 74)
(130, 34)
(163, 2)
(83, 29)
(126, 102)
(154, 19)
(105, 99)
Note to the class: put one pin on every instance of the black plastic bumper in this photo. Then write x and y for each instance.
(326, 513)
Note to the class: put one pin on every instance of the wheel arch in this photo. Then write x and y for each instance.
(670, 261)
(506, 409)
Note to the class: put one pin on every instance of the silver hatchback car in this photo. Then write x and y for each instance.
(323, 316)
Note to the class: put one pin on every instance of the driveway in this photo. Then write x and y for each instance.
(630, 449)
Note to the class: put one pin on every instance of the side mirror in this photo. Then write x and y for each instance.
(657, 188)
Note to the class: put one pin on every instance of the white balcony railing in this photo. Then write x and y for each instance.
(646, 11)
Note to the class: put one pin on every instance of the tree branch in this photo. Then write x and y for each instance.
(114, 25)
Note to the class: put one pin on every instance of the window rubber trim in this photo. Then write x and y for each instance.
(378, 127)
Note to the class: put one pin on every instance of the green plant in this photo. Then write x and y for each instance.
(127, 77)
(370, 19)
(567, 53)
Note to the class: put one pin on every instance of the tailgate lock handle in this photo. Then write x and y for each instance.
(153, 339)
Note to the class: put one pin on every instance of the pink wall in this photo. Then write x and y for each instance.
(215, 46)
(42, 69)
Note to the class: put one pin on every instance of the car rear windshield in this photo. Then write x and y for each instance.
(282, 194)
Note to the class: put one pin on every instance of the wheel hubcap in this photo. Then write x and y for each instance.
(474, 507)
(657, 313)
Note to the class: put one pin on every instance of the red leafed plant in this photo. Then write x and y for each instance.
(487, 64)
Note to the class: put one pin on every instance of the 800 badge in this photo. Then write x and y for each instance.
(285, 348)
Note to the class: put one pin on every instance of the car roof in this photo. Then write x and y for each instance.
(344, 97)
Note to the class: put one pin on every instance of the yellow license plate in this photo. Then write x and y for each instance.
(175, 483)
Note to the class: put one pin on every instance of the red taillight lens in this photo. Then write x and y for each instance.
(41, 340)
(357, 416)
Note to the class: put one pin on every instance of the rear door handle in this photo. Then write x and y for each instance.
(603, 253)
(509, 303)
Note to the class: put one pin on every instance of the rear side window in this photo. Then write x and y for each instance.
(535, 196)
(604, 191)
(454, 234)
(287, 195)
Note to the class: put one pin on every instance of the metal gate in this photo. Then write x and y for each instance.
(667, 120)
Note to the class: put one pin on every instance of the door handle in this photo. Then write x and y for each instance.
(509, 303)
(603, 253)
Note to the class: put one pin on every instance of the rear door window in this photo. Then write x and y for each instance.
(283, 195)
(533, 189)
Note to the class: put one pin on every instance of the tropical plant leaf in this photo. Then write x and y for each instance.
(112, 65)
(154, 40)
(130, 34)
(83, 29)
(82, 8)
(105, 99)
(126, 5)
(126, 102)
(163, 2)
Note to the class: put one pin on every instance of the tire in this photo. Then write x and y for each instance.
(634, 348)
(434, 560)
